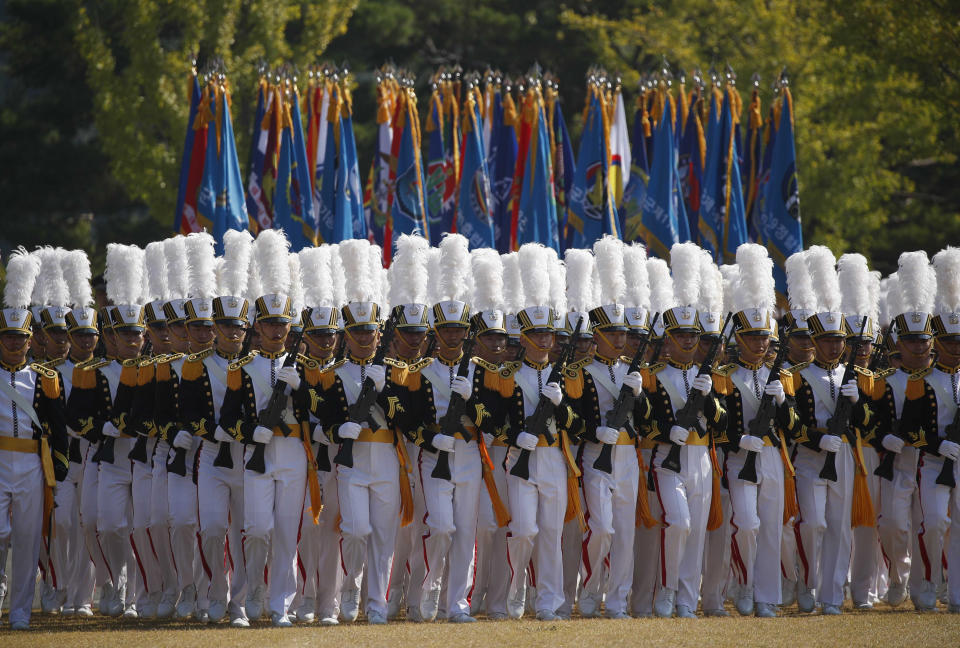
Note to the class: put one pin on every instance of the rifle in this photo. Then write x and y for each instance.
(139, 450)
(689, 415)
(537, 423)
(450, 422)
(839, 423)
(762, 424)
(271, 416)
(224, 459)
(360, 410)
(878, 352)
(618, 416)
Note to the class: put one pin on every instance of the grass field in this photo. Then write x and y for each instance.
(879, 628)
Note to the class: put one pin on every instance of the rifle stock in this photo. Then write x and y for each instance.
(762, 424)
(839, 423)
(450, 421)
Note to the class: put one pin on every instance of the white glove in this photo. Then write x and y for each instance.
(830, 443)
(552, 391)
(463, 386)
(893, 443)
(221, 435)
(318, 435)
(851, 391)
(607, 435)
(950, 450)
(290, 376)
(679, 435)
(526, 441)
(751, 443)
(443, 442)
(110, 430)
(378, 374)
(775, 389)
(703, 384)
(349, 430)
(634, 381)
(72, 433)
(183, 440)
(262, 434)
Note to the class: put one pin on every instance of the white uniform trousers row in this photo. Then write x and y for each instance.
(70, 563)
(160, 523)
(898, 498)
(492, 579)
(407, 570)
(150, 577)
(21, 517)
(934, 520)
(868, 571)
(115, 519)
(646, 552)
(716, 554)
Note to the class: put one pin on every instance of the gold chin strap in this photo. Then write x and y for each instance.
(535, 345)
(354, 340)
(607, 340)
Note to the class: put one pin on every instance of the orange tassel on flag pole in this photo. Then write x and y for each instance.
(644, 516)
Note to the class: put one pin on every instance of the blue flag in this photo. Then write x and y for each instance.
(187, 157)
(407, 212)
(663, 203)
(231, 210)
(636, 189)
(504, 135)
(710, 223)
(473, 201)
(563, 166)
(780, 210)
(735, 213)
(593, 212)
(535, 211)
(376, 194)
(293, 202)
(325, 165)
(211, 180)
(691, 166)
(348, 180)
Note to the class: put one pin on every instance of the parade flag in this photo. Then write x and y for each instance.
(663, 204)
(562, 156)
(349, 194)
(376, 192)
(593, 211)
(735, 215)
(503, 134)
(620, 155)
(407, 203)
(752, 159)
(191, 164)
(324, 174)
(780, 208)
(264, 147)
(474, 220)
(231, 212)
(693, 147)
(212, 168)
(293, 201)
(534, 209)
(631, 211)
(710, 222)
(441, 202)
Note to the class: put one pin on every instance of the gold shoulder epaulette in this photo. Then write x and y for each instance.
(726, 369)
(656, 368)
(200, 355)
(307, 362)
(53, 364)
(239, 362)
(132, 362)
(414, 367)
(510, 368)
(85, 363)
(921, 374)
(883, 374)
(798, 367)
(333, 365)
(43, 370)
(483, 364)
(96, 364)
(626, 359)
(393, 362)
(146, 361)
(863, 371)
(573, 368)
(170, 357)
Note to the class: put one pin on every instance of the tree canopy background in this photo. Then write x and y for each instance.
(93, 94)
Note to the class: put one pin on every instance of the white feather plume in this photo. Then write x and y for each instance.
(853, 274)
(316, 276)
(378, 276)
(918, 282)
(731, 275)
(434, 293)
(580, 293)
(608, 252)
(254, 289)
(890, 304)
(271, 248)
(635, 271)
(76, 270)
(487, 270)
(201, 265)
(22, 271)
(512, 283)
(534, 274)
(55, 290)
(237, 253)
(685, 268)
(946, 262)
(874, 289)
(296, 283)
(175, 250)
(355, 259)
(755, 287)
(339, 276)
(41, 286)
(454, 267)
(408, 271)
(558, 281)
(711, 285)
(124, 273)
(823, 273)
(799, 283)
(661, 286)
(156, 262)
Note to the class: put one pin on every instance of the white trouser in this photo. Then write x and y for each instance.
(953, 545)
(329, 574)
(182, 504)
(716, 554)
(88, 518)
(824, 525)
(537, 509)
(220, 514)
(756, 524)
(611, 507)
(934, 510)
(868, 578)
(272, 507)
(148, 566)
(646, 551)
(685, 500)
(160, 520)
(115, 516)
(66, 556)
(308, 549)
(492, 574)
(21, 519)
(369, 496)
(897, 500)
(451, 532)
(571, 544)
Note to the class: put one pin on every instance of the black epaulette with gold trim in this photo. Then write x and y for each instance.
(863, 371)
(572, 370)
(393, 362)
(656, 367)
(333, 365)
(239, 362)
(883, 374)
(170, 357)
(200, 355)
(921, 374)
(146, 361)
(132, 362)
(792, 369)
(96, 364)
(484, 364)
(43, 370)
(725, 370)
(414, 367)
(510, 368)
(307, 362)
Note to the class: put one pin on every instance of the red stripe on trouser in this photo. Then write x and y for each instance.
(663, 530)
(800, 552)
(143, 571)
(923, 530)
